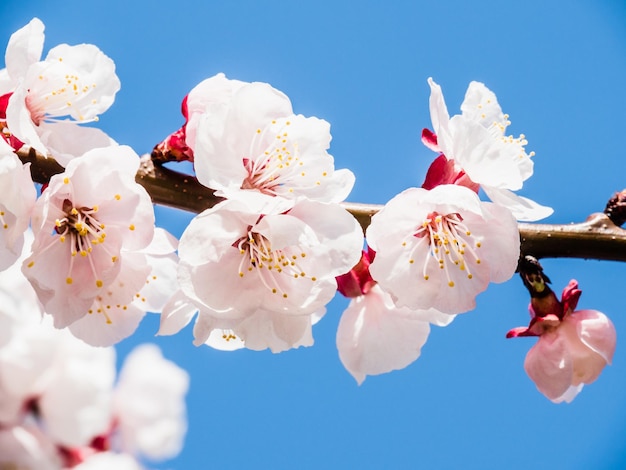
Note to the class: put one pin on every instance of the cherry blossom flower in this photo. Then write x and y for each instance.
(476, 141)
(440, 248)
(285, 263)
(573, 346)
(16, 203)
(78, 82)
(149, 404)
(86, 222)
(374, 336)
(247, 140)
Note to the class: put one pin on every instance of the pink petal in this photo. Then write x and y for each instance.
(596, 331)
(587, 363)
(549, 365)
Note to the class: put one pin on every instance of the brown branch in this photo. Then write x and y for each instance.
(596, 238)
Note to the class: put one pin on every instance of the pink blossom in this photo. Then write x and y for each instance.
(573, 346)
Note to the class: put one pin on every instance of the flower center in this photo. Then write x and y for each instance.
(451, 244)
(272, 266)
(58, 95)
(277, 167)
(84, 232)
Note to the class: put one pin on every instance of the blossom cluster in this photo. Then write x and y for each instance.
(257, 269)
(61, 406)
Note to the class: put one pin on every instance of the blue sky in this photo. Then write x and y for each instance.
(558, 69)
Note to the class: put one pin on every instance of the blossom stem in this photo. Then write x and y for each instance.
(595, 238)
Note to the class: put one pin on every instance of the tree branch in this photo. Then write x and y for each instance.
(595, 238)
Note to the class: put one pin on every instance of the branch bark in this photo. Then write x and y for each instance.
(595, 238)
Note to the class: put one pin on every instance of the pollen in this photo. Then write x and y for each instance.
(69, 280)
(66, 180)
(99, 283)
(131, 227)
(449, 243)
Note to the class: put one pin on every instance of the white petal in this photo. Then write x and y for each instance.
(224, 138)
(486, 160)
(66, 140)
(107, 461)
(375, 337)
(24, 49)
(176, 314)
(149, 404)
(438, 109)
(76, 404)
(501, 238)
(94, 82)
(16, 203)
(481, 105)
(20, 122)
(27, 447)
(522, 208)
(211, 96)
(275, 331)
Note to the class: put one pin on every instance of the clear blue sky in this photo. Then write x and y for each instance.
(559, 70)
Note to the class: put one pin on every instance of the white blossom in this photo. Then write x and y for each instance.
(78, 82)
(477, 142)
(248, 140)
(440, 248)
(88, 219)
